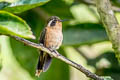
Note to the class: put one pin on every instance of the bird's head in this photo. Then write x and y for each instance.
(54, 21)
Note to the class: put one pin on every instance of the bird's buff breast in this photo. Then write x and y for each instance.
(53, 38)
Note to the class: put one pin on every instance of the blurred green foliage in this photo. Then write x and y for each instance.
(84, 29)
(23, 5)
(13, 25)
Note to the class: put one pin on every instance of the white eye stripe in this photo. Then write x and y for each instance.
(50, 22)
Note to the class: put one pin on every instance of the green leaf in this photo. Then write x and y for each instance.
(9, 1)
(84, 14)
(107, 78)
(14, 25)
(10, 66)
(3, 4)
(118, 17)
(115, 3)
(0, 58)
(84, 34)
(25, 55)
(24, 5)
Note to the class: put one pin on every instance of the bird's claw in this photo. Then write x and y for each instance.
(57, 54)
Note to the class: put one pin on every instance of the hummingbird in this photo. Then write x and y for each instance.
(51, 37)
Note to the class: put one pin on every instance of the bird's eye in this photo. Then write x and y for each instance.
(53, 23)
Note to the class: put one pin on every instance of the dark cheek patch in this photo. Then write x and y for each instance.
(53, 23)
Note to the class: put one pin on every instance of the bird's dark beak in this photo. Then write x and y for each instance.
(64, 20)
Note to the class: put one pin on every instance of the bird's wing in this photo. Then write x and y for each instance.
(44, 58)
(41, 59)
(42, 36)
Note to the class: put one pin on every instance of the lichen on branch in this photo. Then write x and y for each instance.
(111, 24)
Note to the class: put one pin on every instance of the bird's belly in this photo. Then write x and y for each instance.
(54, 39)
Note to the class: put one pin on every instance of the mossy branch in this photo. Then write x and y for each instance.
(111, 24)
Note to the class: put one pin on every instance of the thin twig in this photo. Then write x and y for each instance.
(60, 57)
(116, 9)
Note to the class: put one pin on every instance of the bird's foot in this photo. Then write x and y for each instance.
(54, 52)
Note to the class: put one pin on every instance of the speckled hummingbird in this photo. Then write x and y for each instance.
(51, 37)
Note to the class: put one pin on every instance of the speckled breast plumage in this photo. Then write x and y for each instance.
(53, 38)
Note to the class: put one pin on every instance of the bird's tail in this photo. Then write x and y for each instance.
(44, 62)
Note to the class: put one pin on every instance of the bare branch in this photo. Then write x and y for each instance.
(60, 57)
(111, 24)
(116, 9)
